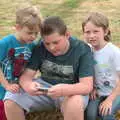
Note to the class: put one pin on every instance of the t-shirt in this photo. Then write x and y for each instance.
(106, 68)
(13, 57)
(76, 63)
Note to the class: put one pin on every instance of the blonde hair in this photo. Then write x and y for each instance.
(29, 16)
(99, 20)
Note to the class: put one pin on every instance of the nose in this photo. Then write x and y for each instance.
(51, 47)
(33, 36)
(92, 34)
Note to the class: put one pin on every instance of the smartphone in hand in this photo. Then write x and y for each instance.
(43, 89)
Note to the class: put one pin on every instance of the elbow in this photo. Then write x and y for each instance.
(89, 88)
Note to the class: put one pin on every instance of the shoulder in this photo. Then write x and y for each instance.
(113, 48)
(6, 41)
(79, 45)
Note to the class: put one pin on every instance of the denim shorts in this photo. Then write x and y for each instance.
(37, 103)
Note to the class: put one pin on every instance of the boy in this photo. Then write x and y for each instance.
(66, 70)
(15, 50)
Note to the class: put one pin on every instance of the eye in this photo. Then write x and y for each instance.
(47, 44)
(87, 32)
(55, 42)
(96, 31)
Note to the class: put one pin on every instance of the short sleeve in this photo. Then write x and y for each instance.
(35, 60)
(86, 63)
(3, 49)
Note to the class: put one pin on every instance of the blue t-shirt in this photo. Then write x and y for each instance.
(13, 58)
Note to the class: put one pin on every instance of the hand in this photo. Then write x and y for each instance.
(14, 88)
(57, 90)
(105, 107)
(93, 94)
(32, 89)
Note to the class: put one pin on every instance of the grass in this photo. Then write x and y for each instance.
(72, 11)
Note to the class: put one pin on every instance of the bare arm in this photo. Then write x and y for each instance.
(3, 81)
(106, 106)
(26, 78)
(10, 87)
(116, 90)
(84, 87)
(28, 84)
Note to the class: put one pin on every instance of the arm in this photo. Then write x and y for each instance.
(106, 105)
(14, 88)
(26, 78)
(28, 84)
(3, 81)
(116, 90)
(84, 87)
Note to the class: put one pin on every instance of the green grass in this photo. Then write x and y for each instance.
(72, 11)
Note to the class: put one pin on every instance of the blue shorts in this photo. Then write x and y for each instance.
(37, 103)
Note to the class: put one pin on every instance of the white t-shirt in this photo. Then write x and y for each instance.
(107, 65)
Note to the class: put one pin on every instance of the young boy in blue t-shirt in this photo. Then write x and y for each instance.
(15, 51)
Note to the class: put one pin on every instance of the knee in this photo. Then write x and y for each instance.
(73, 103)
(9, 104)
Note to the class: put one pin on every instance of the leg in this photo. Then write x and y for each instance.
(12, 108)
(92, 110)
(115, 108)
(17, 103)
(2, 111)
(73, 107)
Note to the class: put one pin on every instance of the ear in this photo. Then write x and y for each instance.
(106, 32)
(18, 27)
(67, 34)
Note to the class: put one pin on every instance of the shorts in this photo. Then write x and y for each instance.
(37, 103)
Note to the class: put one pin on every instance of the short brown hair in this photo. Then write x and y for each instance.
(28, 16)
(99, 20)
(53, 24)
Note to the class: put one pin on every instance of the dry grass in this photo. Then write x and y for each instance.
(72, 11)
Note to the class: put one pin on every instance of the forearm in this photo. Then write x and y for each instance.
(80, 88)
(3, 81)
(26, 78)
(115, 92)
(77, 89)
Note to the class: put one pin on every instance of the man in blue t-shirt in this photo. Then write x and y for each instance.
(66, 67)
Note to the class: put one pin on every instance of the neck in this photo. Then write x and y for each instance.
(67, 46)
(102, 45)
(18, 38)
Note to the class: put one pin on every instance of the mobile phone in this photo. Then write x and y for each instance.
(43, 89)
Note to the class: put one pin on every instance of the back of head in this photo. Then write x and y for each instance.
(98, 20)
(28, 16)
(53, 24)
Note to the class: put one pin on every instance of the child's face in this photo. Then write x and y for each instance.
(56, 44)
(26, 35)
(94, 35)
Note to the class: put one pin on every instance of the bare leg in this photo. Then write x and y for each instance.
(13, 111)
(73, 108)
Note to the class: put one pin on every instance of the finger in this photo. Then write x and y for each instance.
(110, 111)
(100, 109)
(106, 111)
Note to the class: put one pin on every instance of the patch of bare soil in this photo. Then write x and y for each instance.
(53, 115)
